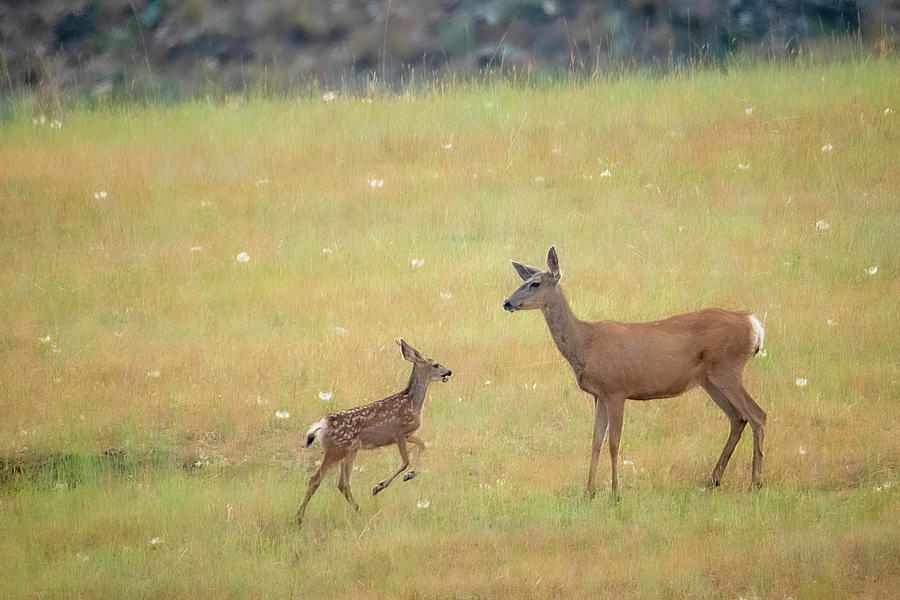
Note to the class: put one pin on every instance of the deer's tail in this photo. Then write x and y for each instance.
(757, 334)
(314, 430)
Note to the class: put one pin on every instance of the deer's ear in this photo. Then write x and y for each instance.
(524, 272)
(553, 262)
(409, 353)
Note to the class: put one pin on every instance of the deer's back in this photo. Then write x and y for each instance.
(375, 424)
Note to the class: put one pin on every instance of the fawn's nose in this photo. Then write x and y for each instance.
(507, 306)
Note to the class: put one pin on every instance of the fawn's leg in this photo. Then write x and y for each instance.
(344, 479)
(421, 445)
(401, 445)
(328, 461)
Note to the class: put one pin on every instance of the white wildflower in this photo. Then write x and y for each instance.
(423, 504)
(827, 148)
(604, 174)
(417, 262)
(153, 374)
(327, 251)
(488, 382)
(155, 542)
(243, 257)
(282, 414)
(887, 111)
(743, 167)
(802, 451)
(748, 111)
(539, 179)
(45, 339)
(262, 181)
(872, 270)
(446, 295)
(55, 124)
(831, 323)
(328, 96)
(260, 401)
(801, 382)
(822, 225)
(375, 183)
(340, 331)
(325, 396)
(196, 248)
(101, 195)
(205, 203)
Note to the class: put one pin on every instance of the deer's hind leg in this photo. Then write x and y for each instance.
(748, 410)
(738, 422)
(401, 446)
(328, 461)
(344, 479)
(421, 447)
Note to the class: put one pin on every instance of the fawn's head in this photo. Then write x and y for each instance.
(538, 284)
(431, 370)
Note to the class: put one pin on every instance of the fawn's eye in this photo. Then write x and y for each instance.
(535, 284)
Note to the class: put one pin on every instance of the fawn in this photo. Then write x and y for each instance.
(391, 420)
(616, 361)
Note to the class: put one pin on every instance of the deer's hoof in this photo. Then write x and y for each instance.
(409, 475)
(378, 488)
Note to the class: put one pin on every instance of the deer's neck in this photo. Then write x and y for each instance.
(565, 328)
(417, 387)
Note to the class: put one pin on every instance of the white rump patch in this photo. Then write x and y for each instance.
(317, 427)
(757, 335)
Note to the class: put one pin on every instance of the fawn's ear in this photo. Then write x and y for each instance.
(524, 272)
(553, 262)
(409, 353)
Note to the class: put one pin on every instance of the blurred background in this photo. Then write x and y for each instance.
(181, 48)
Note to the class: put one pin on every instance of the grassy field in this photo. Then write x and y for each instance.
(143, 365)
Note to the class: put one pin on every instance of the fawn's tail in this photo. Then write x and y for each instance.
(314, 430)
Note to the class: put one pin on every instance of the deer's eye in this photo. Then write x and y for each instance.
(534, 284)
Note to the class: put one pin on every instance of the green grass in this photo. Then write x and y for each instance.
(150, 409)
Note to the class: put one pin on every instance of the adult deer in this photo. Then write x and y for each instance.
(388, 421)
(616, 361)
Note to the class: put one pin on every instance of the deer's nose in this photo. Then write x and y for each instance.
(507, 305)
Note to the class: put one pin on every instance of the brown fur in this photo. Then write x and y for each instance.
(391, 420)
(616, 361)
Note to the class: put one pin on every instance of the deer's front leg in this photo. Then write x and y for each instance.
(421, 447)
(401, 445)
(601, 421)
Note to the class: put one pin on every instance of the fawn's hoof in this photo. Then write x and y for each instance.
(378, 488)
(409, 475)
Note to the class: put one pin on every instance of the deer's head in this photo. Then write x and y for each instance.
(431, 370)
(538, 284)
